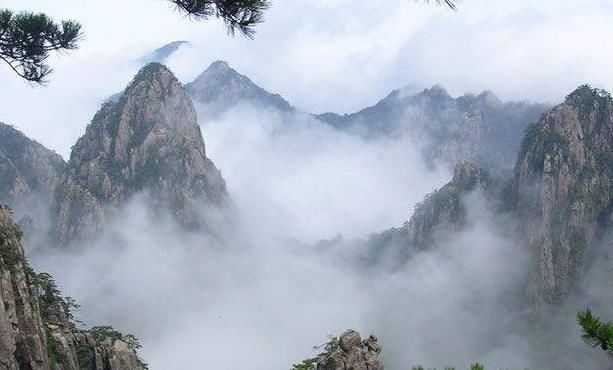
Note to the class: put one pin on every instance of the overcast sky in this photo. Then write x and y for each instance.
(323, 55)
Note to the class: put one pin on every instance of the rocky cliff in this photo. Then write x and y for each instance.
(148, 141)
(478, 128)
(438, 216)
(562, 190)
(37, 331)
(346, 352)
(27, 168)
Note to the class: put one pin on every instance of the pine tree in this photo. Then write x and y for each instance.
(596, 333)
(27, 39)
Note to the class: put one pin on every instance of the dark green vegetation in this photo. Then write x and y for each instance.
(238, 15)
(45, 324)
(326, 349)
(105, 332)
(596, 333)
(27, 40)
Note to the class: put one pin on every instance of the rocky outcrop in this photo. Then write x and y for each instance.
(350, 352)
(476, 128)
(440, 214)
(27, 168)
(563, 191)
(36, 329)
(220, 88)
(146, 142)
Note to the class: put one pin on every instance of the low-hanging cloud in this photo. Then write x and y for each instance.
(259, 300)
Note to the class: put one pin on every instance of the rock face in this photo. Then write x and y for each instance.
(27, 168)
(479, 129)
(147, 141)
(563, 190)
(350, 352)
(36, 331)
(441, 213)
(220, 88)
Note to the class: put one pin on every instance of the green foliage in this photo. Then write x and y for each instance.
(50, 297)
(308, 364)
(596, 333)
(238, 15)
(9, 252)
(27, 39)
(53, 353)
(538, 142)
(104, 332)
(326, 350)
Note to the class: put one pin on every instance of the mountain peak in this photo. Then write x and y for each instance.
(154, 71)
(219, 65)
(220, 88)
(161, 54)
(586, 93)
(437, 91)
(149, 140)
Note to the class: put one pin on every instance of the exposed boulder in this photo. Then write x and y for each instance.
(350, 352)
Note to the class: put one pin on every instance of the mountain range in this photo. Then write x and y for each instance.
(479, 128)
(549, 168)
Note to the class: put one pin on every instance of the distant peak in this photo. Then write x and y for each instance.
(161, 54)
(437, 90)
(219, 65)
(489, 97)
(217, 69)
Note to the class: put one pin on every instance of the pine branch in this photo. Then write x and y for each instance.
(238, 15)
(27, 39)
(596, 333)
(452, 4)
